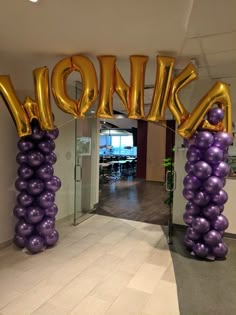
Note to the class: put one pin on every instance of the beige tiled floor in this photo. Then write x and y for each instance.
(103, 266)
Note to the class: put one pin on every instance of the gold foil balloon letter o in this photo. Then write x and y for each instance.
(89, 82)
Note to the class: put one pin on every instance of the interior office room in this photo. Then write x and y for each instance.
(117, 186)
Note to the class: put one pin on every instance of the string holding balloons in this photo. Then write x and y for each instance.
(36, 209)
(207, 169)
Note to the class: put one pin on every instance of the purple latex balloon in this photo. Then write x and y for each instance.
(226, 157)
(223, 181)
(221, 233)
(35, 186)
(19, 241)
(35, 244)
(21, 158)
(212, 238)
(34, 215)
(201, 225)
(194, 154)
(214, 155)
(189, 167)
(37, 133)
(188, 243)
(215, 115)
(213, 184)
(220, 250)
(211, 211)
(25, 172)
(188, 194)
(35, 158)
(45, 172)
(202, 170)
(186, 143)
(192, 209)
(220, 197)
(45, 146)
(46, 199)
(221, 207)
(191, 182)
(192, 234)
(204, 139)
(200, 250)
(188, 218)
(24, 199)
(53, 134)
(223, 140)
(52, 238)
(46, 227)
(52, 211)
(52, 145)
(24, 229)
(221, 223)
(19, 212)
(20, 184)
(25, 145)
(50, 158)
(201, 198)
(221, 170)
(53, 184)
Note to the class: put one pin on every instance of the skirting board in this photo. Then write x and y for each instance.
(184, 228)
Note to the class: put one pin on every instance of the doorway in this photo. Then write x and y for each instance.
(141, 195)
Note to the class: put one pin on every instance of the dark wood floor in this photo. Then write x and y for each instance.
(134, 199)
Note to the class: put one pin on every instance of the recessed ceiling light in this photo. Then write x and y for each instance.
(34, 1)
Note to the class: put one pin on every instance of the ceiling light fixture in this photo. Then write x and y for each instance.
(34, 1)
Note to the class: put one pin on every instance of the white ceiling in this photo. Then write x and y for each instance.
(34, 35)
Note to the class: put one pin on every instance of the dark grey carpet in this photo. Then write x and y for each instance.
(204, 288)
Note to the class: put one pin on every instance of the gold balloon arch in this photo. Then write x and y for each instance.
(166, 94)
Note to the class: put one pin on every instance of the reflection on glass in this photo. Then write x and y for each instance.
(119, 144)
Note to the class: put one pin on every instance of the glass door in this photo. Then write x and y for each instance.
(86, 170)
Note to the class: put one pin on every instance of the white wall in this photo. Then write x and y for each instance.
(8, 169)
(190, 98)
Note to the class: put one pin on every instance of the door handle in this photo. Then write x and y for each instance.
(174, 180)
(77, 173)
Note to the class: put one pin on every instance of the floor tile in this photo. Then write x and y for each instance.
(113, 237)
(48, 309)
(146, 278)
(7, 296)
(71, 295)
(111, 287)
(133, 260)
(163, 301)
(103, 266)
(28, 302)
(129, 302)
(169, 274)
(91, 305)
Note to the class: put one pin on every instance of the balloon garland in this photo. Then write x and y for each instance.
(206, 169)
(36, 183)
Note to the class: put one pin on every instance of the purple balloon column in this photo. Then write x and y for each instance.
(37, 185)
(206, 169)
